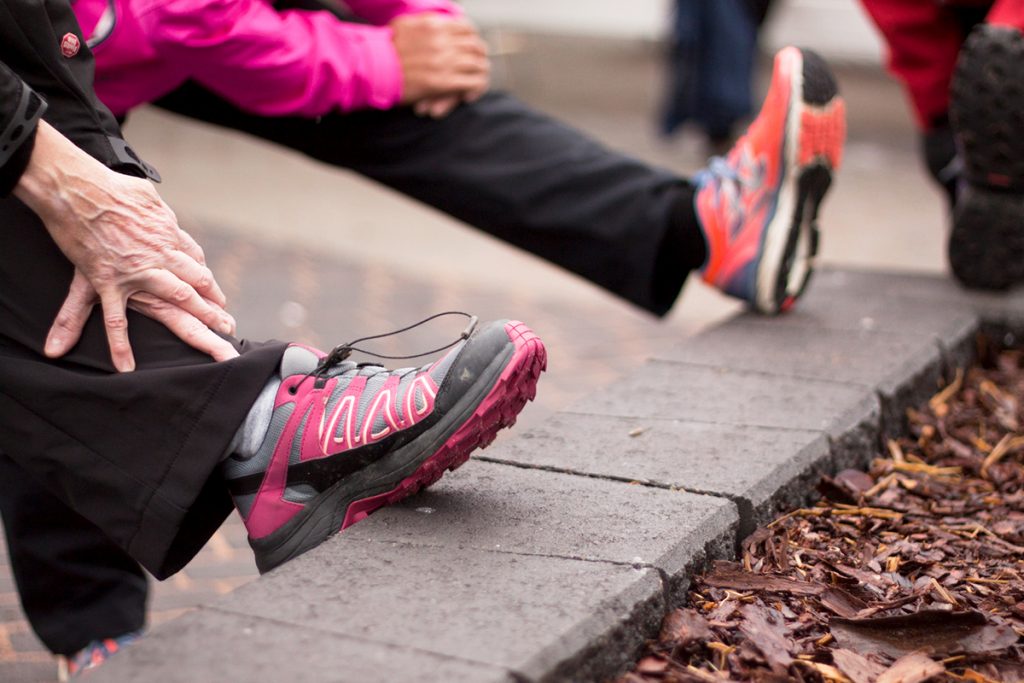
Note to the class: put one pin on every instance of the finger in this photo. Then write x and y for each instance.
(460, 27)
(165, 285)
(462, 83)
(67, 326)
(474, 95)
(230, 320)
(443, 106)
(471, 68)
(191, 247)
(116, 323)
(186, 327)
(466, 63)
(199, 276)
(471, 45)
(422, 108)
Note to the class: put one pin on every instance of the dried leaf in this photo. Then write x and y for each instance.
(859, 669)
(764, 628)
(921, 553)
(652, 665)
(912, 668)
(683, 627)
(829, 673)
(941, 633)
(731, 575)
(841, 602)
(847, 487)
(855, 480)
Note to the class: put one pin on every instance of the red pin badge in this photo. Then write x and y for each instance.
(70, 45)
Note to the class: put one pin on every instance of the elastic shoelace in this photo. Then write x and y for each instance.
(719, 169)
(727, 179)
(341, 352)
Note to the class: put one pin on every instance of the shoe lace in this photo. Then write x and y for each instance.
(732, 178)
(720, 169)
(727, 181)
(340, 353)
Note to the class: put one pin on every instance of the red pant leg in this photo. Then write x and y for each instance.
(1007, 13)
(924, 40)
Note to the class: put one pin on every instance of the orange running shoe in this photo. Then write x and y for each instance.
(758, 207)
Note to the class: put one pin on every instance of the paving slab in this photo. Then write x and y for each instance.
(903, 367)
(928, 309)
(702, 393)
(857, 356)
(525, 613)
(885, 284)
(487, 506)
(889, 302)
(255, 649)
(761, 470)
(914, 302)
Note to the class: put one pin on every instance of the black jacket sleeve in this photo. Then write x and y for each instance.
(20, 111)
(44, 58)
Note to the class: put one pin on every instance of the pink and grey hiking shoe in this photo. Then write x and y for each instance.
(346, 439)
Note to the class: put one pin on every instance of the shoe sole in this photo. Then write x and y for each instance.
(815, 128)
(986, 246)
(471, 424)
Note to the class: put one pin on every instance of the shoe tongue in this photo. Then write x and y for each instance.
(298, 360)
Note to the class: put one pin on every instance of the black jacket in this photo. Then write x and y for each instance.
(46, 71)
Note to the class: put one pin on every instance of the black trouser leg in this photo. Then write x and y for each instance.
(75, 584)
(509, 170)
(136, 454)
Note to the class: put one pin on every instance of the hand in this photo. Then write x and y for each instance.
(444, 61)
(126, 246)
(437, 107)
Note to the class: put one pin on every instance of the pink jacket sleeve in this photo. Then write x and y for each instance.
(283, 63)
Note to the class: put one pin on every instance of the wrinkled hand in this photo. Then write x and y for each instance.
(127, 249)
(444, 62)
(437, 107)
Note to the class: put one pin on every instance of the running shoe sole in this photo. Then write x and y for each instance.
(815, 128)
(986, 246)
(501, 393)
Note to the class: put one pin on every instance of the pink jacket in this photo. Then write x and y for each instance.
(264, 61)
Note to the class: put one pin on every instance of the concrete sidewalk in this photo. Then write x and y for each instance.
(555, 554)
(300, 267)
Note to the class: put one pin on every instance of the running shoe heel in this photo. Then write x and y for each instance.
(802, 245)
(986, 245)
(987, 107)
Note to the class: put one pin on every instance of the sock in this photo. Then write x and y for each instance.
(253, 430)
(682, 249)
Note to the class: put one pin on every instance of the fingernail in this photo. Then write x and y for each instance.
(127, 366)
(54, 345)
(227, 325)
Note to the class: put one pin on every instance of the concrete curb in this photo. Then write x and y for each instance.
(556, 554)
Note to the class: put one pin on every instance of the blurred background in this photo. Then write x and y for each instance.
(320, 255)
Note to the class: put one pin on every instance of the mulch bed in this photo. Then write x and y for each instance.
(912, 571)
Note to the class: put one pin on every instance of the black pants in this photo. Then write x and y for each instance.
(511, 171)
(76, 585)
(497, 165)
(102, 466)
